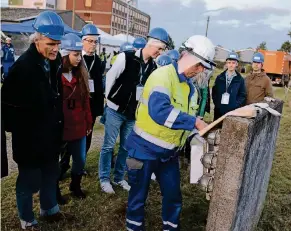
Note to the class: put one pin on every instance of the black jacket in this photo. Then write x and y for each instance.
(236, 89)
(97, 98)
(32, 109)
(123, 92)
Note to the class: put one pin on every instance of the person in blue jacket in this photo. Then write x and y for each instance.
(165, 117)
(229, 91)
(7, 56)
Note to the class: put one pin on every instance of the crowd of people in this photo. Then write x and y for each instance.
(153, 99)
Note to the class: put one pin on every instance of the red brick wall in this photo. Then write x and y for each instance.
(97, 18)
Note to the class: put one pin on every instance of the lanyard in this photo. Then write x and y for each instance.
(142, 70)
(92, 64)
(226, 81)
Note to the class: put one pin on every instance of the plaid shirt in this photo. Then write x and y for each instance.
(229, 78)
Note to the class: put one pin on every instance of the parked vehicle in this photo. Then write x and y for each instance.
(277, 66)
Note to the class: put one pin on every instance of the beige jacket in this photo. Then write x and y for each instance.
(258, 87)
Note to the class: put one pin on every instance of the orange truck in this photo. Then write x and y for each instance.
(277, 66)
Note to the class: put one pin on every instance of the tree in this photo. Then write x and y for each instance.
(171, 43)
(289, 33)
(286, 46)
(262, 46)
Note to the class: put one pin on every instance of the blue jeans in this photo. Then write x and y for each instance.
(115, 124)
(168, 177)
(32, 180)
(103, 118)
(77, 148)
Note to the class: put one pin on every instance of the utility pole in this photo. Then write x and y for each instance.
(208, 19)
(127, 19)
(73, 15)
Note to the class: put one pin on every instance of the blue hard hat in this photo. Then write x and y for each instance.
(139, 43)
(258, 58)
(49, 24)
(72, 42)
(164, 60)
(160, 34)
(90, 29)
(232, 56)
(126, 47)
(174, 54)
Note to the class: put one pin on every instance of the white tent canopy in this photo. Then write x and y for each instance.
(109, 40)
(123, 37)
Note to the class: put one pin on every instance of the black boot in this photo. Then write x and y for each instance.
(75, 186)
(60, 199)
(64, 163)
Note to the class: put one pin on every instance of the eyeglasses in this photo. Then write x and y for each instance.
(91, 41)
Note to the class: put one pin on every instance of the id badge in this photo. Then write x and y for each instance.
(139, 90)
(91, 85)
(225, 98)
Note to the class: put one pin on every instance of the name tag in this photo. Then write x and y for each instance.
(225, 98)
(139, 90)
(91, 85)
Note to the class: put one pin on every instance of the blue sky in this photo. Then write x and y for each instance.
(234, 24)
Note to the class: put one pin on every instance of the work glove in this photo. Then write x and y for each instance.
(269, 99)
(267, 107)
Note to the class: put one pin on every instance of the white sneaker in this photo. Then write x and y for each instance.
(123, 184)
(153, 177)
(29, 225)
(107, 188)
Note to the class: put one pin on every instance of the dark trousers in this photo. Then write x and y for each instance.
(168, 177)
(31, 180)
(217, 114)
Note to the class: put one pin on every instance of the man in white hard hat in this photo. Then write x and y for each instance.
(164, 119)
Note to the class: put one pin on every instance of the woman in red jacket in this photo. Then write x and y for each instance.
(76, 108)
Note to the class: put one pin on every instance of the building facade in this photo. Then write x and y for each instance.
(110, 15)
(37, 4)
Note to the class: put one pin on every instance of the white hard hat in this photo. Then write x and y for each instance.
(201, 47)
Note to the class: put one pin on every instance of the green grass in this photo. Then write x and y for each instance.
(103, 212)
(277, 211)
